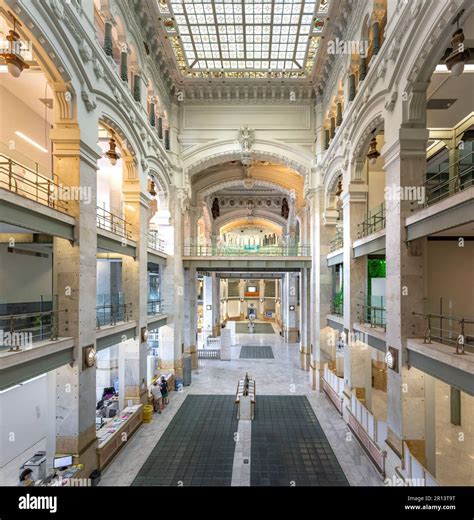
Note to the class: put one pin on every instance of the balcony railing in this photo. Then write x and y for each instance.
(374, 222)
(155, 242)
(337, 242)
(456, 331)
(374, 312)
(113, 313)
(242, 251)
(450, 179)
(110, 222)
(155, 307)
(28, 183)
(19, 331)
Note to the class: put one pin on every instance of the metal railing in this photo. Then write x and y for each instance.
(28, 183)
(155, 242)
(375, 221)
(456, 331)
(19, 331)
(113, 313)
(113, 223)
(154, 307)
(373, 311)
(241, 251)
(449, 180)
(337, 242)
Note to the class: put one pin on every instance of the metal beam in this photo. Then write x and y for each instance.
(156, 324)
(372, 246)
(153, 258)
(335, 325)
(455, 216)
(115, 338)
(23, 371)
(451, 375)
(37, 220)
(116, 246)
(335, 260)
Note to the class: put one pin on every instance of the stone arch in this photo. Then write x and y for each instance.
(425, 52)
(209, 190)
(241, 213)
(219, 153)
(125, 142)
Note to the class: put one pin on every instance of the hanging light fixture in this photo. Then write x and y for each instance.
(459, 56)
(373, 153)
(15, 63)
(112, 154)
(152, 190)
(338, 188)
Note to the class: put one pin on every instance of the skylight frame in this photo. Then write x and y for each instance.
(245, 46)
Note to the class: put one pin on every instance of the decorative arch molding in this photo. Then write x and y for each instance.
(209, 190)
(242, 214)
(329, 197)
(364, 135)
(438, 36)
(226, 151)
(53, 64)
(123, 135)
(259, 222)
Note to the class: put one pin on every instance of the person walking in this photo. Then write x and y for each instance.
(164, 390)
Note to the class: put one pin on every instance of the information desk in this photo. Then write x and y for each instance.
(116, 432)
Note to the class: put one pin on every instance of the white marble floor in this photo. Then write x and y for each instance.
(279, 376)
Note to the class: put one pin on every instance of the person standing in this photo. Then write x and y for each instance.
(157, 398)
(164, 390)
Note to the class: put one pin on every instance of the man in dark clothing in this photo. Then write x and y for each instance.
(164, 390)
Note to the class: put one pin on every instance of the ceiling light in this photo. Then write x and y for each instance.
(29, 140)
(15, 62)
(111, 153)
(373, 153)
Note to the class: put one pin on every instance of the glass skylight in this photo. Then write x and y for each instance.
(228, 36)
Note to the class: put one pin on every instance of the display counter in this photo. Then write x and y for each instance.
(111, 435)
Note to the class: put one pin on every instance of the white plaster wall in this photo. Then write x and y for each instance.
(23, 418)
(16, 115)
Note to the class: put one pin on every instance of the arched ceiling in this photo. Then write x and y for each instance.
(256, 223)
(266, 176)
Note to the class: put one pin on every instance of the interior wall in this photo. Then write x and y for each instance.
(454, 444)
(456, 287)
(16, 115)
(23, 417)
(24, 278)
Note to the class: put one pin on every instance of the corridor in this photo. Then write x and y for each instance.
(289, 435)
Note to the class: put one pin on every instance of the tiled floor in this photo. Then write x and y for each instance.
(197, 448)
(256, 352)
(280, 376)
(259, 328)
(289, 447)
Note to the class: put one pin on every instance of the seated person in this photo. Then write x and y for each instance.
(26, 478)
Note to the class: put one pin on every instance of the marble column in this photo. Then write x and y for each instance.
(405, 165)
(190, 315)
(135, 281)
(305, 317)
(171, 334)
(320, 284)
(289, 310)
(356, 355)
(74, 281)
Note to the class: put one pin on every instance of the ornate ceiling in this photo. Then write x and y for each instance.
(238, 39)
